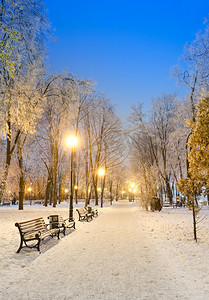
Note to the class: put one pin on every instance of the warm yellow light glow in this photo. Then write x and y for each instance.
(123, 192)
(101, 172)
(129, 190)
(71, 141)
(29, 189)
(99, 189)
(66, 190)
(75, 187)
(134, 191)
(133, 185)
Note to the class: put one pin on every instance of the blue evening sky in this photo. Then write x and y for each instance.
(127, 47)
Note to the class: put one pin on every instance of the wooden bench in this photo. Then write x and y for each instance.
(34, 231)
(83, 214)
(57, 221)
(5, 203)
(38, 202)
(167, 204)
(177, 204)
(92, 210)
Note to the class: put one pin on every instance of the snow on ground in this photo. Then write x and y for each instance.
(125, 253)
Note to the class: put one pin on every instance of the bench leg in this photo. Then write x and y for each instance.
(21, 242)
(38, 245)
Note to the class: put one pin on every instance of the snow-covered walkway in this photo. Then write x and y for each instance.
(112, 257)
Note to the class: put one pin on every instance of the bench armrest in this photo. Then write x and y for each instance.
(71, 220)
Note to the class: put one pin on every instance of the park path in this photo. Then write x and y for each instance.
(111, 257)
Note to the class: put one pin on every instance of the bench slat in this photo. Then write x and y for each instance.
(30, 221)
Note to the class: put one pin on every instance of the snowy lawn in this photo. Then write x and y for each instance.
(124, 253)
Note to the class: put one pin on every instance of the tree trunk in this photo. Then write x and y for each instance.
(9, 151)
(95, 190)
(89, 197)
(60, 192)
(194, 219)
(117, 192)
(8, 162)
(46, 199)
(168, 190)
(55, 167)
(111, 198)
(21, 180)
(102, 188)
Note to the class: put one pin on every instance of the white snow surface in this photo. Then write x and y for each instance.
(124, 253)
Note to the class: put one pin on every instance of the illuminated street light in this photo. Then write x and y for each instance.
(101, 173)
(131, 194)
(71, 141)
(122, 194)
(65, 191)
(29, 190)
(76, 193)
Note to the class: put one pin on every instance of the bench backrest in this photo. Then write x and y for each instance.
(89, 209)
(31, 225)
(81, 210)
(6, 202)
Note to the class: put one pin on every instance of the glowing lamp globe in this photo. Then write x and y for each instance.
(71, 141)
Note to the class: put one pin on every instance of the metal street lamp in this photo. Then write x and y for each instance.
(66, 192)
(76, 193)
(29, 190)
(132, 191)
(122, 194)
(101, 173)
(71, 141)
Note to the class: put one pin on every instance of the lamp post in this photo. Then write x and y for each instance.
(129, 195)
(71, 141)
(132, 191)
(29, 190)
(76, 193)
(101, 173)
(122, 194)
(66, 191)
